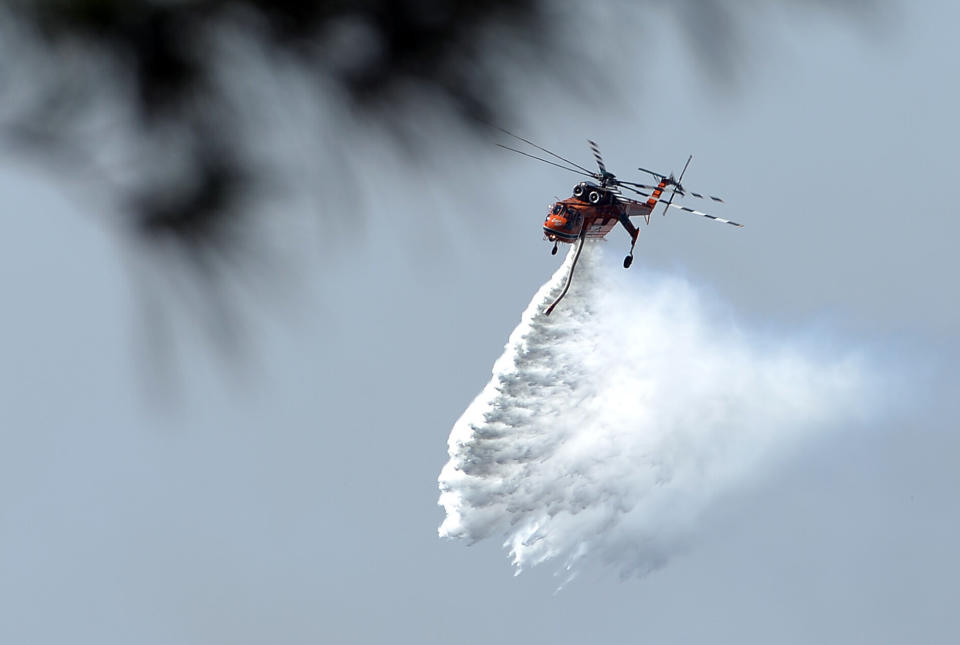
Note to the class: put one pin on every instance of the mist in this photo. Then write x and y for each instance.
(611, 426)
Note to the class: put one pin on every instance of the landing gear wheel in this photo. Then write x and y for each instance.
(554, 251)
(627, 261)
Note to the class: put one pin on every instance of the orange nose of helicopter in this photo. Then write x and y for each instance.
(562, 224)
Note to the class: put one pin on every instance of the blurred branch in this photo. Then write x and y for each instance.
(136, 92)
(158, 62)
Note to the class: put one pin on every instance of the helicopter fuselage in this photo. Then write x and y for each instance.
(592, 210)
(597, 206)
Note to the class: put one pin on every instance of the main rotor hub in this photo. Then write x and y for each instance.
(607, 179)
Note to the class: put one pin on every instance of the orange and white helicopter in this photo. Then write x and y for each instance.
(598, 205)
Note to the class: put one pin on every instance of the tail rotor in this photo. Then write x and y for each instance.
(677, 185)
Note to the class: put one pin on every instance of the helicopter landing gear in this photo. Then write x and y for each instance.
(634, 233)
(627, 261)
(554, 251)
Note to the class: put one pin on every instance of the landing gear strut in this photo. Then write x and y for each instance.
(634, 233)
(554, 251)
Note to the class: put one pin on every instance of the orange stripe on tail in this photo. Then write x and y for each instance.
(656, 194)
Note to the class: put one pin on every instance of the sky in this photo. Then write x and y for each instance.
(290, 494)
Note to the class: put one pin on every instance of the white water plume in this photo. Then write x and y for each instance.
(609, 426)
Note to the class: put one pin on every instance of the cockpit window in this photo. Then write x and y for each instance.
(557, 209)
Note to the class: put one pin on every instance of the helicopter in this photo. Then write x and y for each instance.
(598, 205)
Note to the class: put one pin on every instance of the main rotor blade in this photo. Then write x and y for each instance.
(655, 174)
(596, 155)
(683, 192)
(552, 154)
(701, 196)
(636, 191)
(633, 183)
(527, 154)
(707, 215)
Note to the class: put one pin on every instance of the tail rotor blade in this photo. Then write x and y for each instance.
(682, 173)
(684, 191)
(669, 201)
(677, 185)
